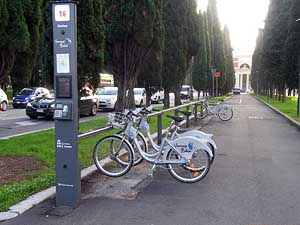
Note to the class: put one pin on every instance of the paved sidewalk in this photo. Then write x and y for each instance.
(254, 180)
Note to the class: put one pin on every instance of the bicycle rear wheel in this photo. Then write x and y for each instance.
(225, 113)
(193, 171)
(202, 111)
(107, 155)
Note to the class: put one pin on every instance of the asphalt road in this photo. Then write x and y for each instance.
(15, 122)
(254, 180)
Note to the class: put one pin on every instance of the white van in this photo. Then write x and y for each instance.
(140, 96)
(186, 91)
(3, 100)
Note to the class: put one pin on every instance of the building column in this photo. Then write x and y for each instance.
(247, 84)
(241, 81)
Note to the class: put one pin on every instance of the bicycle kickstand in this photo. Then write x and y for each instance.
(152, 171)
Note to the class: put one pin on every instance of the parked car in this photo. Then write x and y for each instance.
(89, 103)
(185, 92)
(107, 97)
(236, 91)
(27, 95)
(140, 96)
(3, 100)
(158, 96)
(44, 107)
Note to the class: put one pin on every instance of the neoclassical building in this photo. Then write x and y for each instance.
(242, 67)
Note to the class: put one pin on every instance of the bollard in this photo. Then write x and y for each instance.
(176, 114)
(195, 112)
(159, 129)
(187, 125)
(201, 112)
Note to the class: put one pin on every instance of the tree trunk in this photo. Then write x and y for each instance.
(130, 103)
(167, 99)
(120, 104)
(177, 97)
(284, 93)
(289, 92)
(148, 96)
(272, 92)
(192, 94)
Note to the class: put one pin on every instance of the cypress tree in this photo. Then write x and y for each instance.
(257, 75)
(229, 67)
(292, 47)
(199, 73)
(15, 37)
(44, 67)
(22, 71)
(150, 76)
(216, 41)
(181, 44)
(90, 42)
(208, 51)
(275, 34)
(3, 38)
(130, 31)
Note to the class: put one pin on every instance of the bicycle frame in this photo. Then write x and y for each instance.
(205, 138)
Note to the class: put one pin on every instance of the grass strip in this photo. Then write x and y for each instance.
(289, 107)
(41, 146)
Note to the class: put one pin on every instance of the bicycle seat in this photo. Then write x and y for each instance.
(177, 119)
(186, 113)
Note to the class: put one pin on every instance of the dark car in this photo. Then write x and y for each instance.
(88, 105)
(236, 91)
(27, 95)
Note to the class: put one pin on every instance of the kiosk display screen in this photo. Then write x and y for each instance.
(63, 87)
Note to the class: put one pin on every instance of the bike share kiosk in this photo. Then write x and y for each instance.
(68, 185)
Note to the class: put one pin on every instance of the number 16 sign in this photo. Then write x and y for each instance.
(62, 13)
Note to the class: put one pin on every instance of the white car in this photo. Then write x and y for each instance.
(140, 96)
(107, 97)
(3, 100)
(158, 96)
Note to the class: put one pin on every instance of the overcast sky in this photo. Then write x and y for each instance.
(244, 18)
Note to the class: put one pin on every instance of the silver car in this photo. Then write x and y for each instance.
(107, 97)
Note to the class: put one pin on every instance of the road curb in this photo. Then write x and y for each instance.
(291, 120)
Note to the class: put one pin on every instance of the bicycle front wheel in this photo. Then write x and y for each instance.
(192, 172)
(143, 145)
(107, 155)
(225, 113)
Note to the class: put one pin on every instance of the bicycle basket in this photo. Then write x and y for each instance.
(116, 119)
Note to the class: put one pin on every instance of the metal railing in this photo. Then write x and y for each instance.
(159, 115)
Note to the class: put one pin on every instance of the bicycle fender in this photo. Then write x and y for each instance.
(201, 135)
(190, 144)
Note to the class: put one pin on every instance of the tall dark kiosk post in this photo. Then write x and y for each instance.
(66, 104)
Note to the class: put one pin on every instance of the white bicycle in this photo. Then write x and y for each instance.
(143, 125)
(224, 112)
(186, 158)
